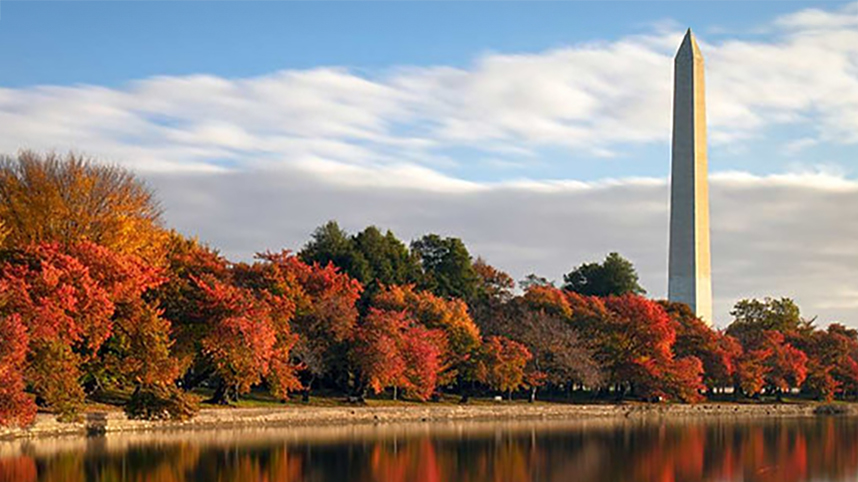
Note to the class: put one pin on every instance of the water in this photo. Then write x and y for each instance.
(813, 449)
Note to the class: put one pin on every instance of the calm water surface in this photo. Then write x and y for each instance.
(820, 449)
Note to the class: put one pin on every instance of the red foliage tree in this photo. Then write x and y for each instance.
(770, 361)
(182, 302)
(449, 316)
(751, 370)
(138, 352)
(717, 351)
(67, 315)
(325, 307)
(787, 365)
(843, 348)
(831, 364)
(377, 349)
(422, 350)
(16, 407)
(683, 379)
(638, 339)
(637, 343)
(391, 350)
(241, 342)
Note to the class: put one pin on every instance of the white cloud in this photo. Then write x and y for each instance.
(596, 98)
(796, 146)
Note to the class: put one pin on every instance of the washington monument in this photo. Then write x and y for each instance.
(689, 279)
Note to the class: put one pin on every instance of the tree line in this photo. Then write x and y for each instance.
(97, 296)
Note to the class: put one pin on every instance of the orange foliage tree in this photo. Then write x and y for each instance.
(449, 316)
(504, 363)
(69, 199)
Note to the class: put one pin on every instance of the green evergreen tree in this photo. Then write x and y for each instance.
(615, 276)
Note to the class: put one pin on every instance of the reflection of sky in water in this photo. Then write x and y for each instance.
(822, 449)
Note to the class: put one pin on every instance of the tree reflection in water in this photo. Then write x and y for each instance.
(786, 451)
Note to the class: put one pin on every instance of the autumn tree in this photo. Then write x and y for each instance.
(559, 353)
(69, 199)
(423, 350)
(494, 292)
(450, 316)
(392, 350)
(504, 364)
(718, 352)
(182, 301)
(377, 349)
(837, 348)
(87, 323)
(787, 365)
(637, 351)
(325, 310)
(243, 338)
(548, 299)
(614, 276)
(766, 330)
(232, 322)
(493, 285)
(139, 352)
(67, 316)
(16, 406)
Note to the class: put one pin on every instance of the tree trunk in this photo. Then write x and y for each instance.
(222, 395)
(305, 394)
(466, 393)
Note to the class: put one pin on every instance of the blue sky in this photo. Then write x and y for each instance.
(539, 132)
(107, 43)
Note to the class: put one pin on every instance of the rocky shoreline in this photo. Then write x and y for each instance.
(97, 423)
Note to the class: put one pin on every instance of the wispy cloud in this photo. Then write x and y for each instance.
(594, 99)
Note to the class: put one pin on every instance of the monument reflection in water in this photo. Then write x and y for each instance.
(823, 449)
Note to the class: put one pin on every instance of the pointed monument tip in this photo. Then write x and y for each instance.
(689, 47)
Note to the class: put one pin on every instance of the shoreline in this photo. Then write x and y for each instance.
(105, 423)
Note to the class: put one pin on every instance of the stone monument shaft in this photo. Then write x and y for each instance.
(689, 279)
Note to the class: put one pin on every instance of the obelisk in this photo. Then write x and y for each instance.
(689, 279)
